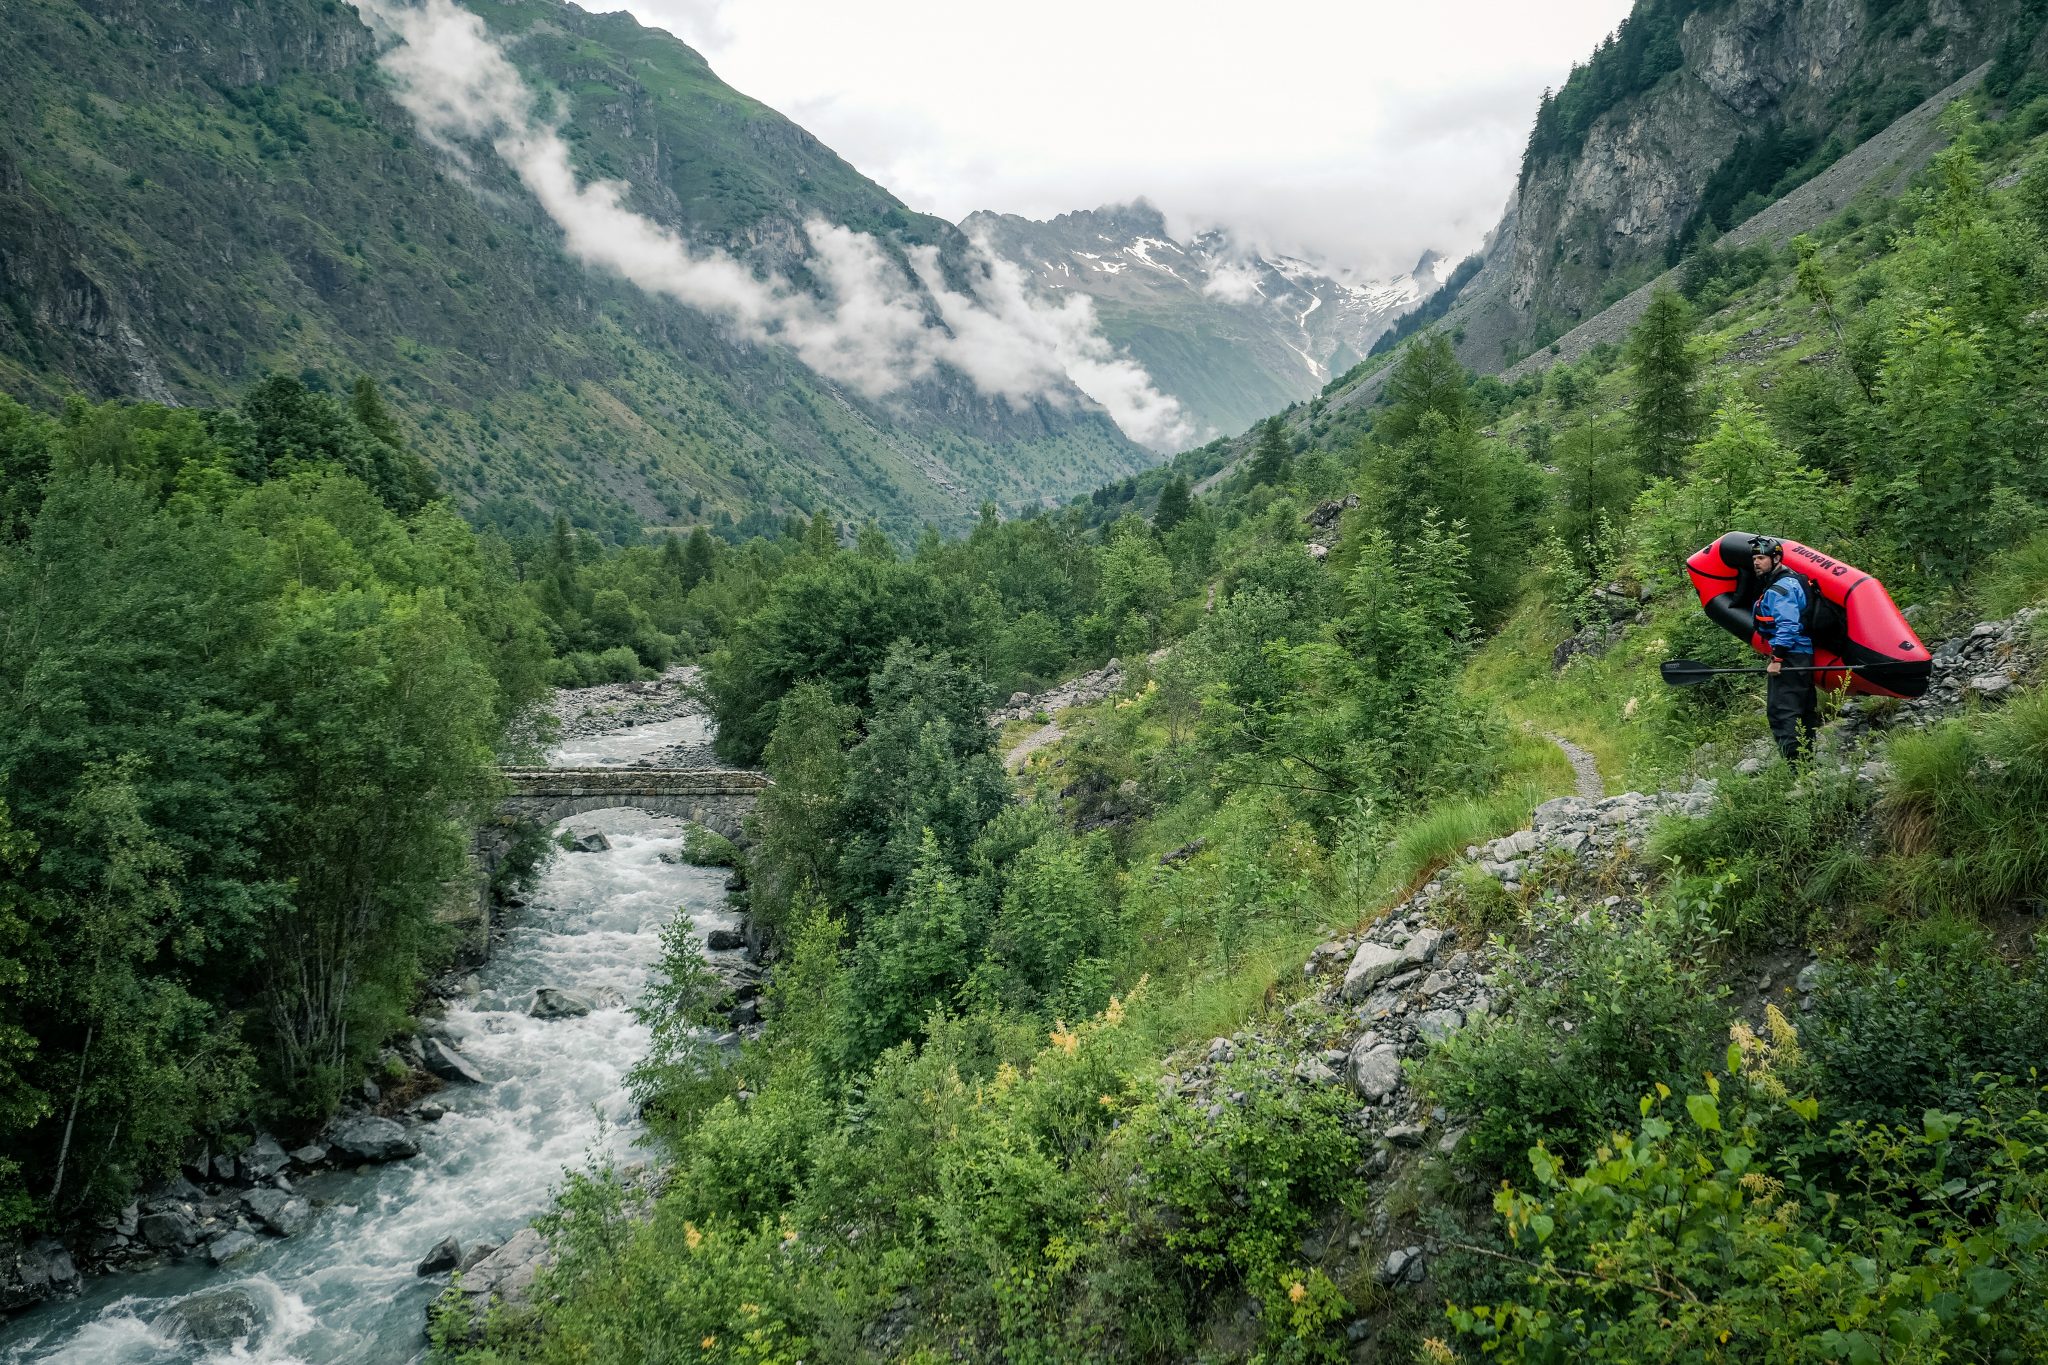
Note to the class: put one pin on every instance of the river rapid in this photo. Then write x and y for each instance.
(342, 1291)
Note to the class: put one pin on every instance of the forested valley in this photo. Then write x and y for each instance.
(1044, 1078)
(1051, 1066)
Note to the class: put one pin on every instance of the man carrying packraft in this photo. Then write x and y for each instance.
(1789, 699)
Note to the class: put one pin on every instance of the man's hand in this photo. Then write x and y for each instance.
(1776, 666)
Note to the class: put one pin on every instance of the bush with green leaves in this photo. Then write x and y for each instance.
(708, 848)
(1230, 1191)
(1699, 1237)
(1913, 1028)
(1770, 857)
(1574, 1044)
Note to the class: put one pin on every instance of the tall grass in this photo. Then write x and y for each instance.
(1961, 829)
(1430, 840)
(1967, 816)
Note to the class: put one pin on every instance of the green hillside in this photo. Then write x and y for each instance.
(189, 201)
(1389, 966)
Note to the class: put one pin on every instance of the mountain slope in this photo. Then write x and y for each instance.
(1233, 334)
(1695, 119)
(191, 198)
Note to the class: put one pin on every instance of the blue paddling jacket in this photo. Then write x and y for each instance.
(1778, 613)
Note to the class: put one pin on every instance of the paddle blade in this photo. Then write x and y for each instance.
(1684, 672)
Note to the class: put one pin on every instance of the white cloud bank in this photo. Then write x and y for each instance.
(1351, 132)
(872, 329)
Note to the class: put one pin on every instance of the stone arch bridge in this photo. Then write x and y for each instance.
(716, 798)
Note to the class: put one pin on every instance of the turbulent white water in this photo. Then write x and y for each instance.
(343, 1292)
(629, 746)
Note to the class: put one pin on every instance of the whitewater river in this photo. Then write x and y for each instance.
(343, 1289)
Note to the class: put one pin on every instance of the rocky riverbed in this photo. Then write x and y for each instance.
(330, 1250)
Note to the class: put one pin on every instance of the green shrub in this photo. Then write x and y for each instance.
(523, 860)
(1968, 810)
(1229, 1191)
(1913, 1029)
(1627, 1002)
(1768, 856)
(1698, 1239)
(707, 848)
(619, 664)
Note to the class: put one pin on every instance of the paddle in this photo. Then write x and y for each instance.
(1689, 673)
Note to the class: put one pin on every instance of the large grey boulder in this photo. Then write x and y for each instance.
(281, 1213)
(550, 1002)
(509, 1272)
(589, 842)
(368, 1138)
(263, 1159)
(446, 1255)
(1439, 1024)
(176, 1190)
(1376, 962)
(212, 1317)
(28, 1275)
(169, 1227)
(1375, 1069)
(229, 1245)
(450, 1065)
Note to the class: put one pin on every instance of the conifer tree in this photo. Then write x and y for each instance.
(1427, 380)
(700, 556)
(1174, 505)
(1269, 456)
(1666, 372)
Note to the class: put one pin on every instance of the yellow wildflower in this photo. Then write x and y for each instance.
(708, 1343)
(1063, 1039)
(1436, 1351)
(691, 1237)
(1115, 1013)
(1296, 1292)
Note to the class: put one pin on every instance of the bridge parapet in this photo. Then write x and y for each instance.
(717, 798)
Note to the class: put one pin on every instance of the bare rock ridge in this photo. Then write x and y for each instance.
(1616, 200)
(1886, 162)
(1233, 333)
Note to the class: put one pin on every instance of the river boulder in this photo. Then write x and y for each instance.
(551, 1002)
(367, 1138)
(446, 1255)
(30, 1274)
(590, 841)
(450, 1065)
(212, 1317)
(281, 1213)
(169, 1226)
(509, 1272)
(229, 1245)
(263, 1160)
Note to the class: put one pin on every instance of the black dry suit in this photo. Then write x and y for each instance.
(1789, 698)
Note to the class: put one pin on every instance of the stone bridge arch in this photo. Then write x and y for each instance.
(716, 798)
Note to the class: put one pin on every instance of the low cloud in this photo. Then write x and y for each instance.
(1233, 283)
(870, 326)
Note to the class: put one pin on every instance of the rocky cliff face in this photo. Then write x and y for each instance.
(1234, 334)
(1597, 215)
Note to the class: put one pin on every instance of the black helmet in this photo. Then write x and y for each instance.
(1767, 545)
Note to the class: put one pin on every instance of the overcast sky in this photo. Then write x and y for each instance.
(1357, 131)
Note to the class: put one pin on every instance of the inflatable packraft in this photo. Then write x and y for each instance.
(1892, 661)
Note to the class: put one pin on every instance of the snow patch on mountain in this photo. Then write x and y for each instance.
(1232, 331)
